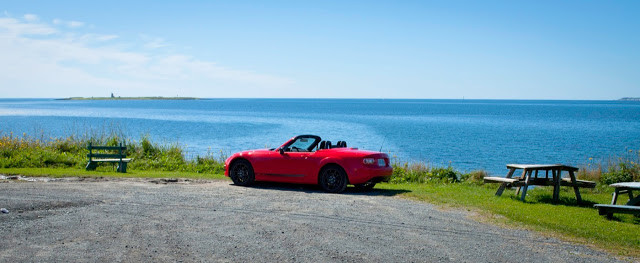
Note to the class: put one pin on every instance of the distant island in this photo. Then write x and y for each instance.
(130, 98)
(630, 99)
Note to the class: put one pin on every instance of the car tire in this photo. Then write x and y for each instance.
(241, 173)
(333, 179)
(365, 187)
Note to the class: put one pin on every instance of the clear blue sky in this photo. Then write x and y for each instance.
(321, 49)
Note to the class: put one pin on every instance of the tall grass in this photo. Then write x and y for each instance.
(625, 168)
(29, 152)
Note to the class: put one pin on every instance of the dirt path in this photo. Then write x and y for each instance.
(152, 220)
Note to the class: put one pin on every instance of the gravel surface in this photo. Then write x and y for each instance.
(72, 220)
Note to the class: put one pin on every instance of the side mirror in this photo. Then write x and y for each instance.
(281, 150)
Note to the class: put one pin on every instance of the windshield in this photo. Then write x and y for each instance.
(303, 144)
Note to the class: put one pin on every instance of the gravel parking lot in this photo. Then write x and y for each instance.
(72, 220)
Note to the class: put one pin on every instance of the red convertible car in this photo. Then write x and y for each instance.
(307, 159)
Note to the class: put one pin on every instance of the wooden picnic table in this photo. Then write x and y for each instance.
(631, 207)
(626, 188)
(531, 176)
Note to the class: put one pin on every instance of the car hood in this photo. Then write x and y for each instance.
(249, 152)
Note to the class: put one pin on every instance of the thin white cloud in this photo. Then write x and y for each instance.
(14, 27)
(97, 37)
(31, 17)
(72, 24)
(155, 43)
(105, 37)
(65, 63)
(75, 24)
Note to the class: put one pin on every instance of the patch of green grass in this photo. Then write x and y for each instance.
(565, 220)
(74, 172)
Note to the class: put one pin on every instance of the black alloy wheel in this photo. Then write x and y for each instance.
(333, 179)
(241, 173)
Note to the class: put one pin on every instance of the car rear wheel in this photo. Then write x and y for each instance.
(365, 186)
(241, 173)
(333, 179)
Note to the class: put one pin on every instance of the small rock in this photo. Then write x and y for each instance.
(4, 210)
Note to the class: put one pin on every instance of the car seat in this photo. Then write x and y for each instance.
(323, 145)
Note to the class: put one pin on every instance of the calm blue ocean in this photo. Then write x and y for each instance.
(468, 134)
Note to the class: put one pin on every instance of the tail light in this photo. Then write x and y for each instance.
(381, 162)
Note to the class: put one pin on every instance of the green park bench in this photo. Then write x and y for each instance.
(107, 154)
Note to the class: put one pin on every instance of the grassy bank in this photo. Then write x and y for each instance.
(71, 152)
(443, 186)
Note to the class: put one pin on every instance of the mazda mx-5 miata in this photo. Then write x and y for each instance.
(307, 159)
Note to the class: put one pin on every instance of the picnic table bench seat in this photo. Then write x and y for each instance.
(497, 179)
(517, 182)
(110, 154)
(579, 183)
(608, 210)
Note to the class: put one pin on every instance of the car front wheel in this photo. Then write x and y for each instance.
(241, 173)
(333, 179)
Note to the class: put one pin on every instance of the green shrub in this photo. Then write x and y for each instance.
(474, 177)
(447, 174)
(423, 173)
(624, 172)
(148, 149)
